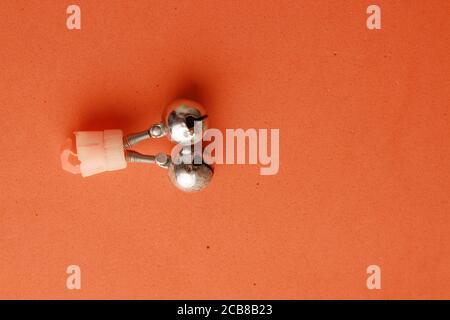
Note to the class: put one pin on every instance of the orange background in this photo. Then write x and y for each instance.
(365, 156)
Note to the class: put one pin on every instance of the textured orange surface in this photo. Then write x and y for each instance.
(364, 141)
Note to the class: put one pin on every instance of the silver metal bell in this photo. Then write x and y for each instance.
(190, 177)
(178, 123)
(188, 171)
(186, 174)
(179, 119)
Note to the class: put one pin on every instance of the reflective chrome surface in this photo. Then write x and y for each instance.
(190, 177)
(188, 170)
(179, 119)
